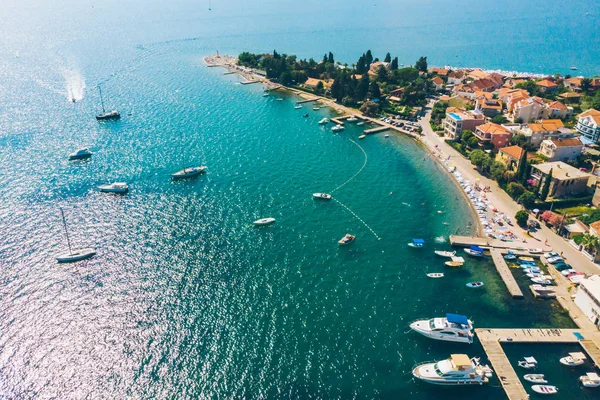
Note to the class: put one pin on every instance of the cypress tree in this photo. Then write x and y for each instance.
(369, 58)
(325, 59)
(394, 64)
(330, 58)
(374, 90)
(546, 188)
(522, 168)
(388, 58)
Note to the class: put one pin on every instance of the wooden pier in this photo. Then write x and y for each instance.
(492, 339)
(376, 130)
(306, 101)
(506, 274)
(250, 82)
(468, 241)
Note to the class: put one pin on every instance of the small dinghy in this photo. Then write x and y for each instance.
(448, 254)
(535, 378)
(362, 136)
(474, 251)
(541, 280)
(346, 239)
(337, 128)
(266, 94)
(453, 264)
(435, 275)
(475, 284)
(590, 379)
(264, 221)
(573, 359)
(352, 119)
(322, 196)
(305, 115)
(360, 124)
(316, 108)
(544, 389)
(526, 259)
(116, 187)
(417, 243)
(510, 256)
(324, 121)
(279, 99)
(298, 107)
(386, 135)
(528, 363)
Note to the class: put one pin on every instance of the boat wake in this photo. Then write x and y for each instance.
(440, 239)
(75, 84)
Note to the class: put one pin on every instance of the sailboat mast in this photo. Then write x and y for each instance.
(101, 100)
(66, 230)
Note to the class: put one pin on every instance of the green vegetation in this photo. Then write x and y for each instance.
(480, 159)
(499, 119)
(438, 113)
(546, 186)
(577, 211)
(521, 217)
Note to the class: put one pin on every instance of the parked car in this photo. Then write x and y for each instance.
(561, 266)
(551, 254)
(554, 260)
(568, 272)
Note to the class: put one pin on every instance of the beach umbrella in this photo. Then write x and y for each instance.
(535, 211)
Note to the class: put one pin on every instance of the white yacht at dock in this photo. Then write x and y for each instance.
(458, 370)
(452, 328)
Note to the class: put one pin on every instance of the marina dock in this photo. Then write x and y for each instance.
(376, 130)
(492, 339)
(506, 274)
(307, 101)
(250, 82)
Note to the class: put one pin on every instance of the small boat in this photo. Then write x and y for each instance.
(474, 251)
(265, 94)
(542, 289)
(535, 378)
(297, 107)
(115, 187)
(417, 243)
(316, 108)
(361, 123)
(338, 128)
(346, 239)
(73, 255)
(528, 363)
(447, 254)
(305, 115)
(510, 256)
(264, 221)
(386, 135)
(188, 172)
(591, 379)
(322, 196)
(452, 328)
(352, 119)
(279, 99)
(474, 284)
(80, 154)
(362, 136)
(536, 251)
(458, 370)
(573, 359)
(453, 264)
(528, 259)
(435, 275)
(114, 114)
(541, 281)
(324, 121)
(573, 68)
(544, 389)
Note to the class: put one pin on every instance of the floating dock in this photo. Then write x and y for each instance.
(491, 340)
(376, 130)
(506, 274)
(468, 241)
(307, 101)
(250, 82)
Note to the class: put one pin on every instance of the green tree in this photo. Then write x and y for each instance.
(368, 58)
(522, 167)
(519, 140)
(473, 142)
(369, 108)
(421, 64)
(330, 58)
(590, 242)
(374, 90)
(586, 84)
(546, 186)
(388, 58)
(596, 101)
(527, 199)
(361, 65)
(480, 159)
(515, 189)
(325, 59)
(465, 135)
(319, 88)
(394, 65)
(497, 170)
(362, 88)
(382, 74)
(521, 217)
(499, 119)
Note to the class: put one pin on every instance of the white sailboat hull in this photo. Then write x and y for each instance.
(76, 255)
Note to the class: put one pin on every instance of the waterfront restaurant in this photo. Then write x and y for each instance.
(588, 298)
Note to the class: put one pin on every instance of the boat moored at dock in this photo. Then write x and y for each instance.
(573, 359)
(337, 128)
(535, 378)
(458, 370)
(544, 389)
(591, 379)
(452, 328)
(324, 121)
(447, 254)
(474, 251)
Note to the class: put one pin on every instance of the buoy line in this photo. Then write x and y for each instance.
(357, 217)
(359, 171)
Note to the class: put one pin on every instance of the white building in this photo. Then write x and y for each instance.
(588, 298)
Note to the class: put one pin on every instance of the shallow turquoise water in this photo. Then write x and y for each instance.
(185, 297)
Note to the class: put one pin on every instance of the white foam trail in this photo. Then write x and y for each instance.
(440, 239)
(74, 83)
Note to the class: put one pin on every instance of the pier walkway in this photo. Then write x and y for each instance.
(506, 274)
(376, 130)
(307, 101)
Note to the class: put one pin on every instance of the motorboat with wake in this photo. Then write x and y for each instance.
(346, 239)
(115, 187)
(458, 370)
(337, 128)
(447, 254)
(188, 172)
(324, 121)
(74, 254)
(322, 196)
(535, 378)
(573, 359)
(80, 154)
(544, 389)
(264, 221)
(591, 379)
(452, 328)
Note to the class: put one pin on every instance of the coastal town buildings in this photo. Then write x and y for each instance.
(561, 149)
(529, 109)
(511, 156)
(458, 120)
(457, 77)
(588, 298)
(567, 181)
(492, 135)
(438, 83)
(556, 109)
(546, 86)
(588, 126)
(573, 83)
(487, 104)
(545, 129)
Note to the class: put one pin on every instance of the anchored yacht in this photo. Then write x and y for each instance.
(188, 172)
(458, 370)
(452, 328)
(80, 154)
(116, 187)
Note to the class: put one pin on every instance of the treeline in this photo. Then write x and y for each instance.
(367, 80)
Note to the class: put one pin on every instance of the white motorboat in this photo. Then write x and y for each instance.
(448, 254)
(362, 136)
(265, 94)
(386, 135)
(452, 328)
(458, 370)
(298, 107)
(188, 172)
(352, 119)
(544, 389)
(361, 123)
(436, 275)
(322, 196)
(591, 379)
(264, 221)
(324, 121)
(279, 99)
(80, 154)
(316, 108)
(474, 251)
(115, 187)
(337, 128)
(528, 363)
(346, 239)
(74, 254)
(540, 280)
(540, 288)
(573, 359)
(535, 378)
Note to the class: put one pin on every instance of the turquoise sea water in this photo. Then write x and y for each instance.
(185, 297)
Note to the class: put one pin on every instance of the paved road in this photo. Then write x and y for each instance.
(503, 202)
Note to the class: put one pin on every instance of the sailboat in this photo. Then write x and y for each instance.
(114, 114)
(73, 255)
